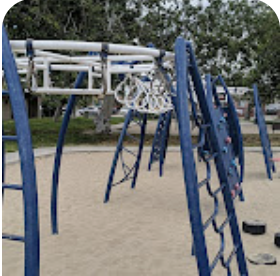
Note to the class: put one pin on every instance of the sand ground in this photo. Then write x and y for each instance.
(246, 128)
(144, 231)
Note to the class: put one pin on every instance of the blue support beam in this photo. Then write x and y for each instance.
(59, 152)
(266, 147)
(30, 198)
(189, 168)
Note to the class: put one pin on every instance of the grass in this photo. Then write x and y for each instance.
(81, 132)
(116, 120)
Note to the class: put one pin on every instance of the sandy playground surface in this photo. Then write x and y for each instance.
(144, 231)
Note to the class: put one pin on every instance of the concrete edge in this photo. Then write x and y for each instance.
(13, 157)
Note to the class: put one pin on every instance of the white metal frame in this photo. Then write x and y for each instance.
(72, 56)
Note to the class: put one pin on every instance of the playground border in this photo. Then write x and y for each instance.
(13, 157)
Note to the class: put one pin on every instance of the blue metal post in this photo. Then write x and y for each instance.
(189, 168)
(140, 150)
(266, 147)
(220, 165)
(59, 151)
(31, 221)
(116, 157)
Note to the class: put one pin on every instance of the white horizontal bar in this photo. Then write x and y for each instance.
(122, 69)
(130, 58)
(68, 91)
(89, 47)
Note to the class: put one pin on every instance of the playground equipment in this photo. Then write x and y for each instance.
(37, 61)
(214, 144)
(139, 77)
(267, 151)
(228, 110)
(23, 139)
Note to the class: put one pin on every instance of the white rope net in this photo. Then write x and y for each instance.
(130, 73)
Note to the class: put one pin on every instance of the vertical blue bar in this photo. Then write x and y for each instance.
(140, 150)
(189, 168)
(31, 220)
(164, 141)
(267, 152)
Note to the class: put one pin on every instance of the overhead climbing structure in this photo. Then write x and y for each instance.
(23, 139)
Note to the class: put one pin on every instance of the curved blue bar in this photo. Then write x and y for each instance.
(30, 198)
(59, 151)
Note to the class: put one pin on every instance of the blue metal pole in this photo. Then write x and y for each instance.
(3, 158)
(31, 220)
(237, 130)
(189, 168)
(59, 151)
(220, 165)
(164, 142)
(267, 152)
(140, 150)
(116, 157)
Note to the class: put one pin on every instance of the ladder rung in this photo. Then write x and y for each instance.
(223, 225)
(218, 190)
(213, 156)
(12, 186)
(203, 182)
(9, 138)
(217, 258)
(229, 259)
(129, 151)
(12, 237)
(132, 137)
(122, 180)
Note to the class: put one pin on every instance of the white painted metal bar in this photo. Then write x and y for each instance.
(68, 91)
(89, 47)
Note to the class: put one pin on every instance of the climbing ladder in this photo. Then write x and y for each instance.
(123, 153)
(267, 151)
(160, 141)
(23, 139)
(219, 150)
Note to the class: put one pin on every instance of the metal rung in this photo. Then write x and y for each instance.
(213, 156)
(132, 137)
(121, 181)
(218, 190)
(129, 151)
(229, 259)
(224, 224)
(9, 138)
(217, 258)
(209, 220)
(12, 237)
(12, 186)
(5, 92)
(203, 182)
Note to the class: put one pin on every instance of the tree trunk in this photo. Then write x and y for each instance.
(57, 112)
(102, 120)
